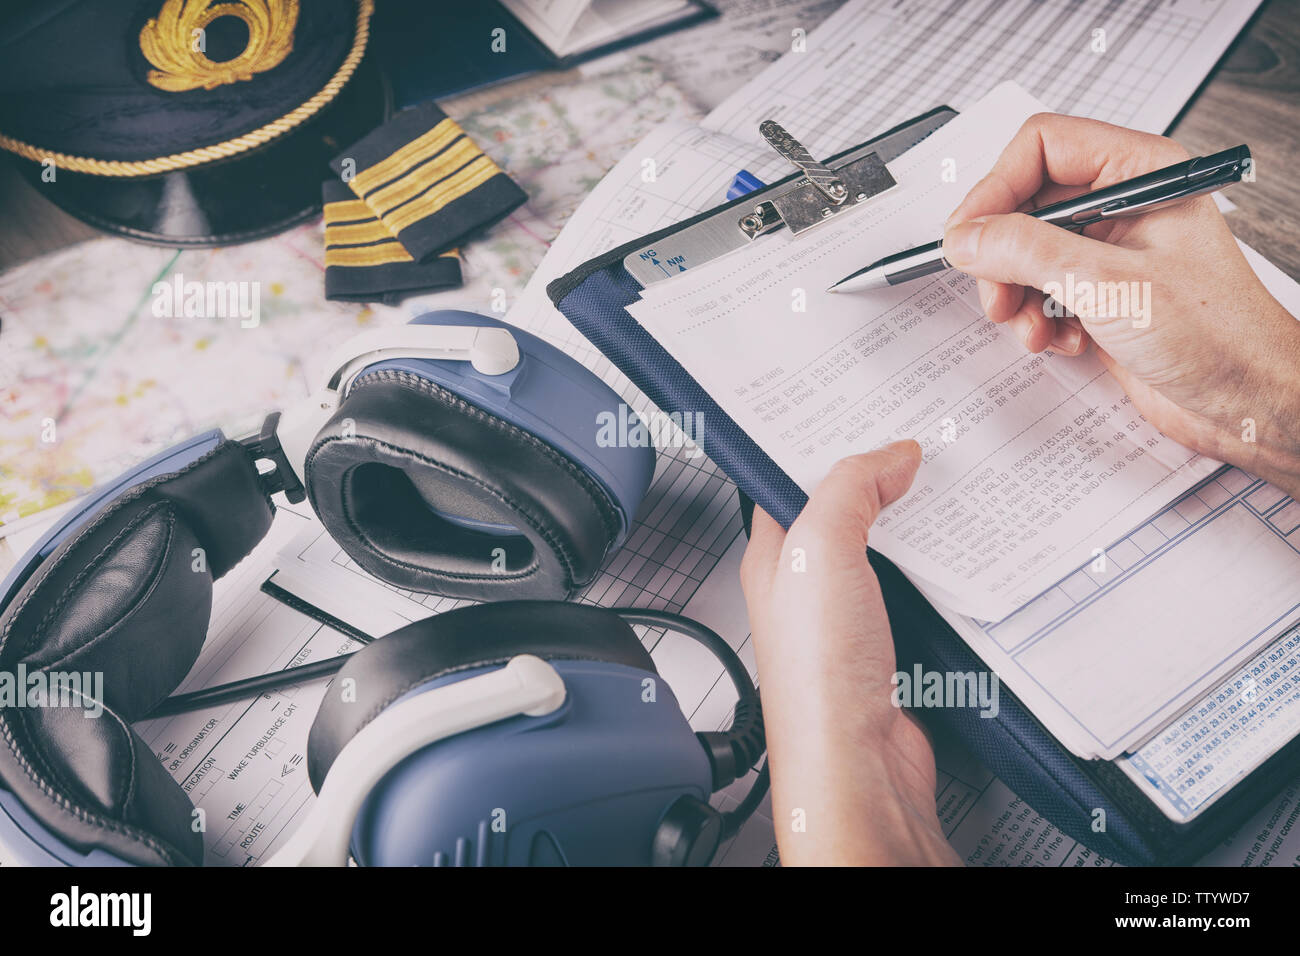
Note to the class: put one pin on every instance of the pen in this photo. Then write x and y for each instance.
(1150, 191)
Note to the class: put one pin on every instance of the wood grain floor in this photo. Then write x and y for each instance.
(1254, 98)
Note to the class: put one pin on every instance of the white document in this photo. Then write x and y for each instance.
(1032, 462)
(1112, 654)
(873, 64)
(868, 67)
(1188, 609)
(1194, 759)
(1044, 510)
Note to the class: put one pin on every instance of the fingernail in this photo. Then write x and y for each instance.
(903, 455)
(961, 243)
(1067, 339)
(986, 292)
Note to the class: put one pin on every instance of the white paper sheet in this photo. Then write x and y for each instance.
(1111, 654)
(876, 63)
(569, 27)
(1137, 639)
(873, 64)
(1031, 461)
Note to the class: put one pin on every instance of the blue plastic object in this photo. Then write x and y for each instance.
(520, 793)
(742, 183)
(172, 459)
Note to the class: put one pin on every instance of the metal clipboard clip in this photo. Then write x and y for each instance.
(823, 192)
(817, 193)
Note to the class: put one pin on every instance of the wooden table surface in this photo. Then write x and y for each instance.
(1253, 97)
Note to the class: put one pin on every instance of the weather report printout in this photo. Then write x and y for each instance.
(1032, 462)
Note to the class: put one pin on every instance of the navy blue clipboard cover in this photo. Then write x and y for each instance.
(1013, 745)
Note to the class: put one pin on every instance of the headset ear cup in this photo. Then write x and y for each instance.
(459, 640)
(140, 584)
(122, 603)
(406, 474)
(99, 630)
(116, 792)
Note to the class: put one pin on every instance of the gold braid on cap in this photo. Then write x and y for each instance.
(266, 49)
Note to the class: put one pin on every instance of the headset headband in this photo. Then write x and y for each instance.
(527, 686)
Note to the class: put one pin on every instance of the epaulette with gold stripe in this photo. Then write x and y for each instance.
(364, 262)
(426, 182)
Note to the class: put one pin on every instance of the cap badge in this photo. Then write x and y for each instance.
(174, 42)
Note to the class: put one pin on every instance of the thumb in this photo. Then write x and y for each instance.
(848, 500)
(1020, 249)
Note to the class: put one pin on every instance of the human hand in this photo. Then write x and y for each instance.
(858, 771)
(1205, 352)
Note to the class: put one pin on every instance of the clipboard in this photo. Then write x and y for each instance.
(1092, 801)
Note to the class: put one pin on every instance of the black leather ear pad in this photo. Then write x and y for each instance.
(124, 596)
(400, 449)
(458, 640)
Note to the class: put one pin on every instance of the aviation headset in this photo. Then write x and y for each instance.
(455, 455)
